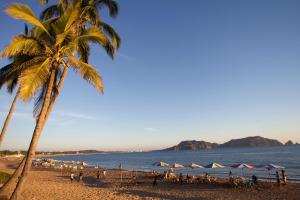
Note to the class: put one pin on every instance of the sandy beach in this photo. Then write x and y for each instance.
(46, 184)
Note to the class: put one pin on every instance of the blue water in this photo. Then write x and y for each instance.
(287, 156)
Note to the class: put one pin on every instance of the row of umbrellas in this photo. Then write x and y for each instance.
(214, 165)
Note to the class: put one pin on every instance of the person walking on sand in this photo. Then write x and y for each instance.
(180, 178)
(72, 177)
(155, 181)
(284, 176)
(98, 174)
(80, 176)
(277, 178)
(104, 173)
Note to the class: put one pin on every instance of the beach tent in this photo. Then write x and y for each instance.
(177, 166)
(161, 164)
(214, 165)
(243, 166)
(193, 166)
(273, 166)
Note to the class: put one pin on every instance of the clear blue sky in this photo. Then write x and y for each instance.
(199, 69)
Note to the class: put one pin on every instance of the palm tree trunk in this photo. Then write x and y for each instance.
(7, 120)
(59, 86)
(5, 191)
(8, 187)
(35, 138)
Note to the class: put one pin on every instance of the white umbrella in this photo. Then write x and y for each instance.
(273, 166)
(177, 165)
(194, 165)
(161, 164)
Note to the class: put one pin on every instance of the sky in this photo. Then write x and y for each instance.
(208, 70)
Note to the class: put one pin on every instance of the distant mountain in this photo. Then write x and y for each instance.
(193, 145)
(289, 142)
(255, 141)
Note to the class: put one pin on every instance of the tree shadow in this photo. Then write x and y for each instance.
(88, 181)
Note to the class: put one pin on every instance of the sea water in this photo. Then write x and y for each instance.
(287, 156)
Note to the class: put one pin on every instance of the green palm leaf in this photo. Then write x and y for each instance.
(33, 78)
(22, 45)
(88, 72)
(23, 12)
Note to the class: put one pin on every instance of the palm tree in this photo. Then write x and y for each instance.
(58, 42)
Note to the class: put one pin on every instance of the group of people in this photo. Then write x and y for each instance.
(80, 175)
(283, 177)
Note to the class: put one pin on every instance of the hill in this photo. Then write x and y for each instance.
(193, 145)
(256, 141)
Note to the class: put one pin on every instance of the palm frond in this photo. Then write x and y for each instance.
(88, 72)
(94, 35)
(23, 12)
(83, 51)
(51, 11)
(116, 40)
(11, 84)
(22, 45)
(33, 78)
(3, 72)
(111, 5)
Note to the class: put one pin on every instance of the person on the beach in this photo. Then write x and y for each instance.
(104, 173)
(254, 179)
(188, 178)
(284, 176)
(277, 178)
(98, 174)
(230, 175)
(80, 175)
(72, 177)
(180, 178)
(155, 181)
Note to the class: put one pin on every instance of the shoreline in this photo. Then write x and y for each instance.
(50, 183)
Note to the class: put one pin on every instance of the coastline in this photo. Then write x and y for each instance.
(49, 183)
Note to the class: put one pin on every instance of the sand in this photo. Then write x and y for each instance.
(46, 184)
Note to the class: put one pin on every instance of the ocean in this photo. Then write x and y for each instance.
(287, 156)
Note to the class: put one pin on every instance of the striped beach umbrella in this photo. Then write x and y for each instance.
(243, 166)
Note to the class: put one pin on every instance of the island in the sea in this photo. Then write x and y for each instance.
(255, 141)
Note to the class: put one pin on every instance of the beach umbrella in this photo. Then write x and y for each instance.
(177, 165)
(243, 166)
(193, 166)
(273, 166)
(161, 164)
(214, 165)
